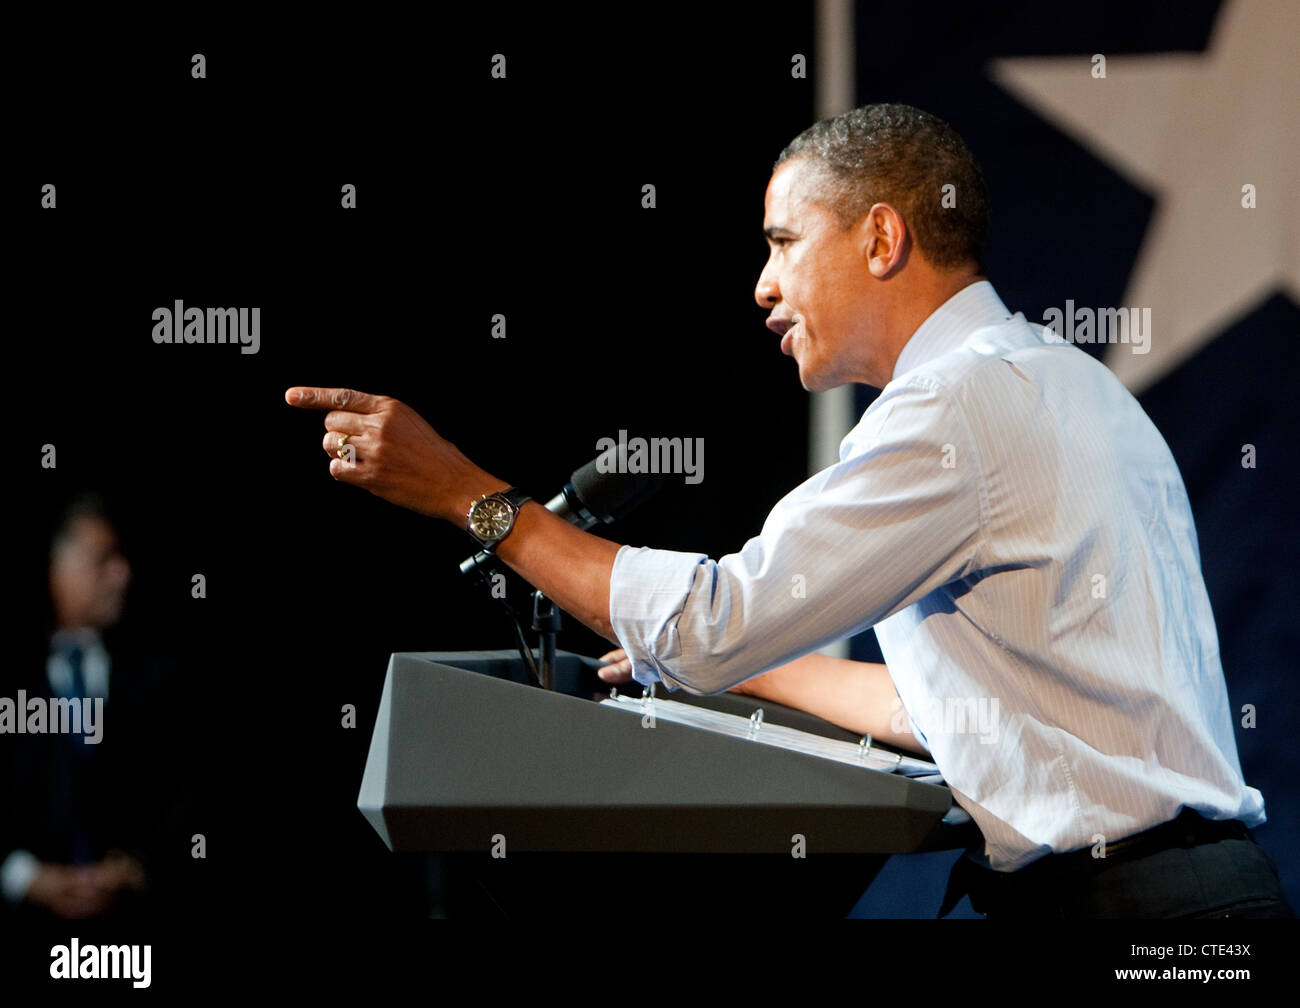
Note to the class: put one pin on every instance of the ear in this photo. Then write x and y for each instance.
(883, 237)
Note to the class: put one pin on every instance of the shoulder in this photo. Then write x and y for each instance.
(1010, 372)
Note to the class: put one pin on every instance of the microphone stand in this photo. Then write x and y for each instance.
(546, 614)
(546, 621)
(483, 566)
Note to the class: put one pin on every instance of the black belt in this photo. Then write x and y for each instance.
(1189, 829)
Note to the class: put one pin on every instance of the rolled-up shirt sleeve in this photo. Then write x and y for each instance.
(899, 515)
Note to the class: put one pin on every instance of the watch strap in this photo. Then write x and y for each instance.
(515, 496)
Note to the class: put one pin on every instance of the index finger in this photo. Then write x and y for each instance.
(309, 397)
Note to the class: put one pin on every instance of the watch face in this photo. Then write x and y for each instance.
(491, 518)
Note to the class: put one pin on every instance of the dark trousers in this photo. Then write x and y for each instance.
(1187, 868)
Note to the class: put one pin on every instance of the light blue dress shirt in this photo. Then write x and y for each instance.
(1015, 528)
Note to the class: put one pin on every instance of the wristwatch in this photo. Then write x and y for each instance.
(492, 517)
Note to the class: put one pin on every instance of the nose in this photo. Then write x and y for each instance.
(767, 292)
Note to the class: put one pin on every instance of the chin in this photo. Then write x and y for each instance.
(817, 382)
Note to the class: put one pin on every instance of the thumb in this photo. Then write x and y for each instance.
(618, 669)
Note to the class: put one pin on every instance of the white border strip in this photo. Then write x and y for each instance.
(833, 413)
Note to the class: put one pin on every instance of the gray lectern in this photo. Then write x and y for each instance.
(548, 805)
(461, 754)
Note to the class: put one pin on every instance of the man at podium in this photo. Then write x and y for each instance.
(1004, 514)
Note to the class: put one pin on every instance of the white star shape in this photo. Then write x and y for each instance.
(1192, 130)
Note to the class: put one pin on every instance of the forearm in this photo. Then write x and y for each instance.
(858, 696)
(569, 566)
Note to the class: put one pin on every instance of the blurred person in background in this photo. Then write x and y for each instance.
(82, 821)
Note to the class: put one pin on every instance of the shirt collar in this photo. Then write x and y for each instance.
(85, 638)
(974, 306)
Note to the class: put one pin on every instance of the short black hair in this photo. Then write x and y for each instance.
(903, 156)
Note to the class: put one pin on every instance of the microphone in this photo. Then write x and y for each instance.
(595, 494)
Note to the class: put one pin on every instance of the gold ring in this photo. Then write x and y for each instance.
(343, 439)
